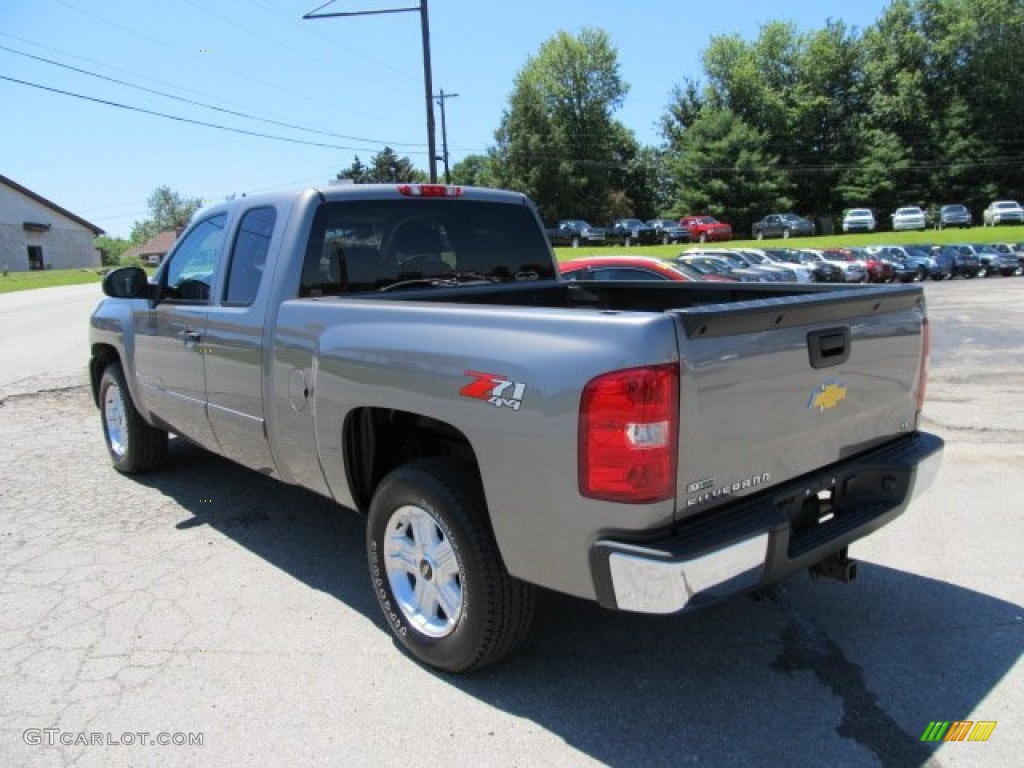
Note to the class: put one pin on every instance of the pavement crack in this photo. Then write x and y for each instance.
(807, 647)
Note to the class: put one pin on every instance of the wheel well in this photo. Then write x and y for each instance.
(102, 356)
(377, 440)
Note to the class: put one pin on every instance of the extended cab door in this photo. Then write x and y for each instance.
(169, 336)
(234, 344)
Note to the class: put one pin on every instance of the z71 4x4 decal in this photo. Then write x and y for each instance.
(494, 388)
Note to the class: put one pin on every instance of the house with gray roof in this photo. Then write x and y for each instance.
(36, 233)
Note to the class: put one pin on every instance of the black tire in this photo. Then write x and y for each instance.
(785, 234)
(666, 240)
(759, 235)
(134, 445)
(703, 237)
(628, 241)
(575, 242)
(440, 501)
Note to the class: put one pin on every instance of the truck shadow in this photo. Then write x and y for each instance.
(801, 671)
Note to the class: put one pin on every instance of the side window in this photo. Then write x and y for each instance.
(249, 256)
(193, 264)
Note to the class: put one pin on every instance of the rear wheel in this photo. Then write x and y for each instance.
(436, 569)
(134, 445)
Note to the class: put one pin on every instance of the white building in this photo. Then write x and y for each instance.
(38, 234)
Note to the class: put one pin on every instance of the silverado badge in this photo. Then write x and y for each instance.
(827, 396)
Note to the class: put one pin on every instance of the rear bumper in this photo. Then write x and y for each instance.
(763, 538)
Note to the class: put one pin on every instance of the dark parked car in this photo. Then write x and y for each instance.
(954, 216)
(965, 261)
(918, 258)
(575, 232)
(782, 225)
(629, 232)
(670, 231)
(992, 261)
(1016, 250)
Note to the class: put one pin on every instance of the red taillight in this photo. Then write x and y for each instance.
(922, 380)
(429, 190)
(629, 422)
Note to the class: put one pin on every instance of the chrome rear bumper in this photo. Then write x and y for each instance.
(763, 538)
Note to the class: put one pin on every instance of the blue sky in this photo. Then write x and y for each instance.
(354, 84)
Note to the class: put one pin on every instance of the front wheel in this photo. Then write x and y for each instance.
(436, 569)
(134, 445)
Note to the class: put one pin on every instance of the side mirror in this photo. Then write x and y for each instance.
(127, 283)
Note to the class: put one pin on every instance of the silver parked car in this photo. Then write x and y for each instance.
(859, 220)
(1003, 212)
(909, 217)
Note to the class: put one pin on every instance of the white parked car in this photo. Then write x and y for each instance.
(910, 217)
(1003, 212)
(859, 220)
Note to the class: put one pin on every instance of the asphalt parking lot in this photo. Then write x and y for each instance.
(209, 603)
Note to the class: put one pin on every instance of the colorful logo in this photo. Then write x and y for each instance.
(494, 388)
(827, 396)
(958, 730)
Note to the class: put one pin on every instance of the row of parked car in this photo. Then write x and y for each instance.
(953, 215)
(876, 264)
(627, 232)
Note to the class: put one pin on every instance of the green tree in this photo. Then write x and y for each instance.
(357, 172)
(721, 166)
(473, 171)
(557, 138)
(167, 210)
(385, 167)
(880, 175)
(111, 249)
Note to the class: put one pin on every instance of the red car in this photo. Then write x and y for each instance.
(705, 228)
(630, 268)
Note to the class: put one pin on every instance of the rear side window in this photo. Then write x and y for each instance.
(249, 256)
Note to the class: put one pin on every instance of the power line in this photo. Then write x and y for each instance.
(207, 106)
(157, 41)
(180, 119)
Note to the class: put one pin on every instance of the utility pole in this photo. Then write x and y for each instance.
(444, 134)
(427, 84)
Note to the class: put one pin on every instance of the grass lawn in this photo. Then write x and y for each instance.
(928, 236)
(24, 281)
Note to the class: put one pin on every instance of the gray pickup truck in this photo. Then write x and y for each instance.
(410, 352)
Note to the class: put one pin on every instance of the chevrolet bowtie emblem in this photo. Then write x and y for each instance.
(827, 396)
